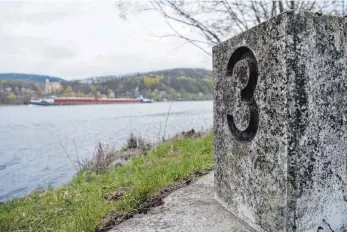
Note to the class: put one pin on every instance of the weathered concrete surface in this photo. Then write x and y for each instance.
(280, 109)
(192, 208)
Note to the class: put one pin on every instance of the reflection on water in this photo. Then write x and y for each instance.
(31, 138)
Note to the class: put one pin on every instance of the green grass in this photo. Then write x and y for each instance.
(80, 205)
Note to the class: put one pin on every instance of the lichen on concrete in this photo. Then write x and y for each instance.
(285, 169)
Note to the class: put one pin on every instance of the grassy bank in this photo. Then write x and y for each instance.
(93, 200)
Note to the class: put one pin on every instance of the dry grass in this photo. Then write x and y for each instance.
(105, 155)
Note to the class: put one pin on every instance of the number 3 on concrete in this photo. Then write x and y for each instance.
(243, 56)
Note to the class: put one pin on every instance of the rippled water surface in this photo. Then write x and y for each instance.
(32, 139)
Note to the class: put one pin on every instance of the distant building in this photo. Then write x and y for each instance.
(51, 87)
(86, 81)
(111, 94)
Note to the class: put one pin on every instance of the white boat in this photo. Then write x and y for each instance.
(145, 100)
(42, 102)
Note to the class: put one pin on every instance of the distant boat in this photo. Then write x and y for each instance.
(81, 101)
(43, 102)
(146, 100)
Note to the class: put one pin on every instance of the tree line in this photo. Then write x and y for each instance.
(18, 91)
(154, 86)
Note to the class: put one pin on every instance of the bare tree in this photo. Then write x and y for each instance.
(212, 21)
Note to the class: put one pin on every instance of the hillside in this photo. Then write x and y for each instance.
(28, 77)
(174, 84)
(190, 72)
(164, 85)
(176, 72)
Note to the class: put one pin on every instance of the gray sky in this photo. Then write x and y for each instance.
(72, 39)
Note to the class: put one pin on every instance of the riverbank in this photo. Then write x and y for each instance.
(96, 201)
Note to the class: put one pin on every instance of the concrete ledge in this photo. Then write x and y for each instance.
(192, 208)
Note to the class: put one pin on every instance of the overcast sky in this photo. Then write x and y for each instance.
(72, 39)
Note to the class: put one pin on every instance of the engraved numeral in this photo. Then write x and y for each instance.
(241, 60)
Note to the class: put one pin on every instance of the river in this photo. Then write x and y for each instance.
(33, 138)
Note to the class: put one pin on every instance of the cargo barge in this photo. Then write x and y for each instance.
(84, 101)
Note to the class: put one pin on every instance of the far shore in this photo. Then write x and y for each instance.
(27, 104)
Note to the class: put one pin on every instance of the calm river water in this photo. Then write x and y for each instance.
(32, 138)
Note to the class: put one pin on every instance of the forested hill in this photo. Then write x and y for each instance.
(28, 77)
(190, 72)
(174, 84)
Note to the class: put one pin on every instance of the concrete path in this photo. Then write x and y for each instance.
(191, 208)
